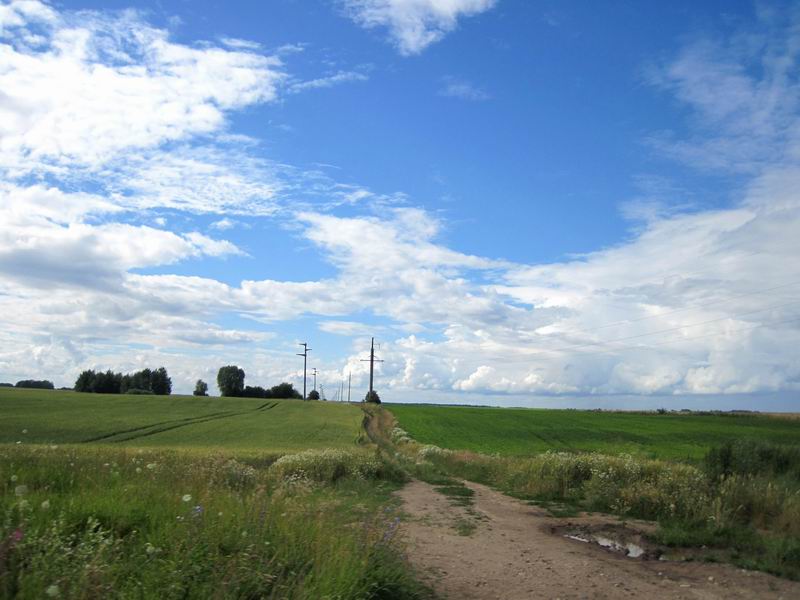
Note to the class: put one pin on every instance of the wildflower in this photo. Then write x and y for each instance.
(197, 511)
(138, 469)
(150, 549)
(219, 514)
(151, 466)
(14, 478)
(17, 535)
(24, 431)
(19, 441)
(53, 591)
(21, 490)
(187, 498)
(53, 447)
(45, 504)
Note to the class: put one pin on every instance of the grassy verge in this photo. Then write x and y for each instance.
(742, 501)
(95, 522)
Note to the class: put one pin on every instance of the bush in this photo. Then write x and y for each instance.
(255, 392)
(313, 395)
(200, 388)
(372, 397)
(328, 466)
(284, 390)
(753, 457)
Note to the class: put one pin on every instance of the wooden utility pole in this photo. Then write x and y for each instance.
(306, 350)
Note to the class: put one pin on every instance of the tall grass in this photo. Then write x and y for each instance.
(109, 523)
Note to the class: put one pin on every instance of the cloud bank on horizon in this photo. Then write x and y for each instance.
(125, 173)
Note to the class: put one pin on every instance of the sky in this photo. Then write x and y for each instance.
(525, 203)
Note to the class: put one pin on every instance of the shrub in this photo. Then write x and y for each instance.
(313, 395)
(372, 397)
(330, 465)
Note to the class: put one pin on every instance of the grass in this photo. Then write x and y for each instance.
(241, 424)
(99, 522)
(526, 432)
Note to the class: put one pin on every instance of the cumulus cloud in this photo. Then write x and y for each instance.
(414, 25)
(93, 86)
(695, 301)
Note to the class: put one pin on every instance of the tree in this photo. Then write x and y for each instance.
(107, 383)
(284, 390)
(230, 381)
(372, 397)
(160, 383)
(313, 395)
(85, 381)
(201, 388)
(255, 392)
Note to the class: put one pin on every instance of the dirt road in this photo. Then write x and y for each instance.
(512, 553)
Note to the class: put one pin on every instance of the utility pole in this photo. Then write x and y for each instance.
(306, 350)
(315, 378)
(372, 361)
(349, 382)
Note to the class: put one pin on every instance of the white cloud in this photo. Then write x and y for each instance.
(698, 302)
(414, 24)
(458, 88)
(328, 81)
(96, 86)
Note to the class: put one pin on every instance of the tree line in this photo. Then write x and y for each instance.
(39, 384)
(146, 381)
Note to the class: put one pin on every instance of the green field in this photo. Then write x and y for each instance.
(520, 432)
(239, 424)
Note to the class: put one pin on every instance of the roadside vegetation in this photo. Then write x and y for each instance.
(741, 502)
(96, 522)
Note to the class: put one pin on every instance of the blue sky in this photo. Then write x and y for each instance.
(525, 203)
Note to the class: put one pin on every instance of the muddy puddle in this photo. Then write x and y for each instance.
(618, 539)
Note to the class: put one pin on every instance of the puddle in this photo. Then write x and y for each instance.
(623, 541)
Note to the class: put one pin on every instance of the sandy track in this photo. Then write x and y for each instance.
(513, 555)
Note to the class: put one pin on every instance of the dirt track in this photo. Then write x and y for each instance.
(512, 554)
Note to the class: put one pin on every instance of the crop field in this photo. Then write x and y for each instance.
(521, 432)
(242, 425)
